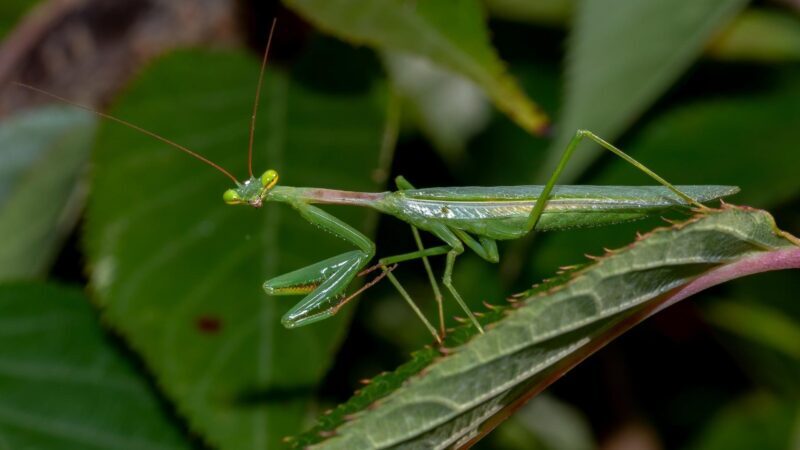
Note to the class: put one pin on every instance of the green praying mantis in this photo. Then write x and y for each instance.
(461, 217)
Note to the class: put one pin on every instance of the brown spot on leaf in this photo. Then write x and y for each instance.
(208, 324)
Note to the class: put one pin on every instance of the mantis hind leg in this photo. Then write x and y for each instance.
(541, 202)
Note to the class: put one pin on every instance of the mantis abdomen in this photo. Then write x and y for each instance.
(502, 212)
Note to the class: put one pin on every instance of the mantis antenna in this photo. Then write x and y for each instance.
(135, 127)
(255, 102)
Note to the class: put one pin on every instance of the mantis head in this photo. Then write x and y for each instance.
(252, 191)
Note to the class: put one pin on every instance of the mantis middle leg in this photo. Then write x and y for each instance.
(541, 202)
(325, 282)
(454, 247)
(403, 184)
(485, 248)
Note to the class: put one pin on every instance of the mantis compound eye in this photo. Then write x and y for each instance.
(231, 197)
(269, 179)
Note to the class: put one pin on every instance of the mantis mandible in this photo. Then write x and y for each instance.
(461, 217)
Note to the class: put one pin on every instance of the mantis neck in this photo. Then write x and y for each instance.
(325, 196)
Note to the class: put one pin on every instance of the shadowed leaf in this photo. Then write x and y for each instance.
(11, 11)
(43, 153)
(763, 325)
(756, 421)
(550, 12)
(715, 139)
(64, 386)
(623, 54)
(718, 139)
(760, 35)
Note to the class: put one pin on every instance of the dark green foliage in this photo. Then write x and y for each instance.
(157, 216)
(43, 157)
(703, 92)
(65, 384)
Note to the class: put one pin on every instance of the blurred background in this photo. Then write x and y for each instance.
(131, 311)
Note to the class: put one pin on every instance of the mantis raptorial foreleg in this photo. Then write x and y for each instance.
(541, 202)
(325, 282)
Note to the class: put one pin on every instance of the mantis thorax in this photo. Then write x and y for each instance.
(252, 191)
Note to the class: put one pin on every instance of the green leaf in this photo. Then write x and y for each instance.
(450, 33)
(449, 399)
(756, 421)
(504, 154)
(622, 56)
(763, 325)
(43, 154)
(64, 385)
(545, 423)
(760, 35)
(550, 12)
(11, 11)
(715, 139)
(762, 336)
(179, 273)
(720, 139)
(449, 108)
